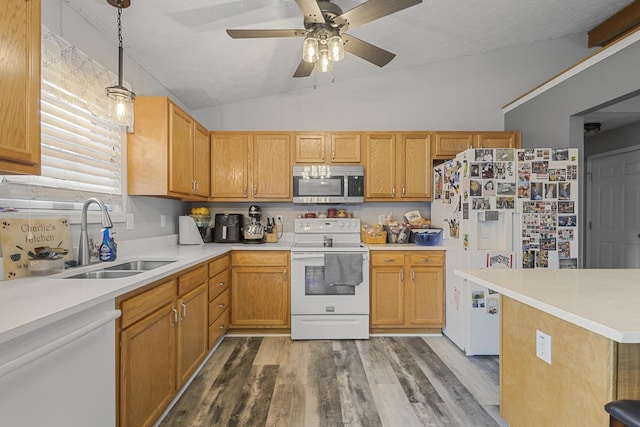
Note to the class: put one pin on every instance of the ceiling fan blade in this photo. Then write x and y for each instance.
(311, 11)
(304, 69)
(375, 9)
(254, 34)
(367, 51)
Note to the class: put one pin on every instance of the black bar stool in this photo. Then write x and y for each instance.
(623, 413)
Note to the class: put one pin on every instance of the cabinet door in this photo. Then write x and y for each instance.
(415, 167)
(425, 297)
(259, 297)
(180, 151)
(201, 158)
(229, 166)
(380, 166)
(147, 368)
(345, 148)
(20, 87)
(271, 167)
(310, 148)
(387, 297)
(448, 144)
(498, 140)
(193, 331)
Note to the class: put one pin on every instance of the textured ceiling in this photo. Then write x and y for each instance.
(183, 44)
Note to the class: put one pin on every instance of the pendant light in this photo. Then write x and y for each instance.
(120, 98)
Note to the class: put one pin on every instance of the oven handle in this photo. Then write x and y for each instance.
(317, 255)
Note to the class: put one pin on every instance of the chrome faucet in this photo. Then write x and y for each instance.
(83, 247)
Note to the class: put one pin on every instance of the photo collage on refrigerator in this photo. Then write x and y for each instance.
(547, 196)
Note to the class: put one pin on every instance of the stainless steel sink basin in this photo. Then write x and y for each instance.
(141, 265)
(103, 274)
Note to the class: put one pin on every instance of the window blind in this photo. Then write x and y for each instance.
(81, 148)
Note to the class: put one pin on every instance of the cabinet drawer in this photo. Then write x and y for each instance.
(427, 258)
(380, 259)
(192, 279)
(218, 305)
(218, 283)
(218, 264)
(262, 259)
(218, 328)
(146, 303)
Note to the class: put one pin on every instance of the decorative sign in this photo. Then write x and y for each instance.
(23, 238)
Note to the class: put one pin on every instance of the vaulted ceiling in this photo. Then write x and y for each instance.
(184, 45)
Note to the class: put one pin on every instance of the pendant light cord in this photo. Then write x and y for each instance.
(120, 49)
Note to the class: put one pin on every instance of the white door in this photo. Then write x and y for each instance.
(614, 212)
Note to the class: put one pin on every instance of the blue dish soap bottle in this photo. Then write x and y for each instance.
(107, 251)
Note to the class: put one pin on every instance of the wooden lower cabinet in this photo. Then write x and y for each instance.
(260, 295)
(407, 289)
(163, 335)
(219, 275)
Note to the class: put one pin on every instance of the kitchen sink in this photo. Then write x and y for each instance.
(141, 265)
(103, 274)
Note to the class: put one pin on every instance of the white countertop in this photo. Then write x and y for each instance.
(33, 302)
(606, 302)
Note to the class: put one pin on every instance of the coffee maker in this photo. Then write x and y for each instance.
(254, 230)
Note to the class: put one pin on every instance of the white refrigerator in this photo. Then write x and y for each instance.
(501, 208)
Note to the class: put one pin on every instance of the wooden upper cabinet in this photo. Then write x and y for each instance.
(498, 140)
(271, 167)
(250, 166)
(380, 166)
(414, 169)
(398, 166)
(166, 152)
(327, 148)
(448, 144)
(20, 87)
(230, 165)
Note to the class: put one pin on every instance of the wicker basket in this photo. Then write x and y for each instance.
(373, 237)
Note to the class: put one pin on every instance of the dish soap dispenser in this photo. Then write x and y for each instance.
(107, 251)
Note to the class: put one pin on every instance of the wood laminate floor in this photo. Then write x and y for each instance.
(383, 381)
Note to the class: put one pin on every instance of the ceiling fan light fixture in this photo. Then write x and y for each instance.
(120, 98)
(336, 48)
(324, 64)
(310, 49)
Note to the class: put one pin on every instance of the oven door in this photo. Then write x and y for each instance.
(311, 295)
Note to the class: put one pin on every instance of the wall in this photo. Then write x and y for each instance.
(462, 94)
(612, 140)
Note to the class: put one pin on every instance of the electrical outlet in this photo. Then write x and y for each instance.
(130, 221)
(163, 220)
(543, 346)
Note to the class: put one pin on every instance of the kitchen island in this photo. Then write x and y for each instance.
(591, 323)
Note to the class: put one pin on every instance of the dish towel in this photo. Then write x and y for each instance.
(343, 269)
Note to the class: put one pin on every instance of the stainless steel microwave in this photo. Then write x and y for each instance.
(328, 184)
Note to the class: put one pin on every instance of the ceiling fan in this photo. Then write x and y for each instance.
(325, 37)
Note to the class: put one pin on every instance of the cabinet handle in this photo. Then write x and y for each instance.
(284, 275)
(221, 284)
(175, 317)
(333, 155)
(323, 155)
(221, 305)
(387, 260)
(393, 191)
(245, 190)
(221, 326)
(255, 190)
(404, 190)
(402, 275)
(197, 186)
(413, 275)
(427, 260)
(184, 309)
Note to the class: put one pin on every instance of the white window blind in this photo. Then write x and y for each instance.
(81, 148)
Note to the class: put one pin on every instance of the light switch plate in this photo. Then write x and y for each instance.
(543, 346)
(129, 221)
